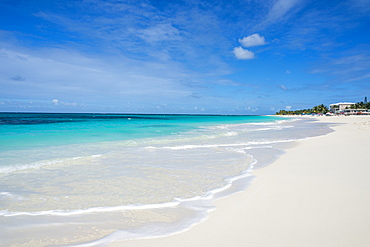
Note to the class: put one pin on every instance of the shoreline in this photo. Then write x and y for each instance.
(316, 194)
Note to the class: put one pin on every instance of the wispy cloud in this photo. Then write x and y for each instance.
(66, 74)
(182, 34)
(282, 87)
(362, 6)
(281, 9)
(160, 32)
(172, 55)
(137, 56)
(346, 67)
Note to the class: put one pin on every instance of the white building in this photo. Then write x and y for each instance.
(339, 107)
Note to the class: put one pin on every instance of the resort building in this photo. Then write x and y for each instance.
(355, 112)
(340, 107)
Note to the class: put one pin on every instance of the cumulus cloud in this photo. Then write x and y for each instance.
(249, 41)
(58, 102)
(252, 40)
(243, 54)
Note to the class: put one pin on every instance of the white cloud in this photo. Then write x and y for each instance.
(61, 103)
(358, 78)
(361, 5)
(353, 68)
(71, 76)
(280, 9)
(243, 54)
(252, 40)
(251, 109)
(159, 32)
(283, 87)
(288, 107)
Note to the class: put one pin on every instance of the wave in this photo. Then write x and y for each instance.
(232, 138)
(215, 193)
(34, 165)
(245, 144)
(90, 210)
(200, 206)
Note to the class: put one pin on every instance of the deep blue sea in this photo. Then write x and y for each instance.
(96, 178)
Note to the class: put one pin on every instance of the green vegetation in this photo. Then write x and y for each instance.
(361, 105)
(321, 109)
(314, 110)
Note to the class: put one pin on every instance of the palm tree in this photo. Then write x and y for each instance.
(320, 109)
(358, 105)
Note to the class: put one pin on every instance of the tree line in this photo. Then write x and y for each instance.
(321, 109)
(314, 110)
(361, 105)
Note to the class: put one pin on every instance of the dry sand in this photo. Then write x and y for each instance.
(316, 194)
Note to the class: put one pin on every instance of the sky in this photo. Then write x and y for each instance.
(182, 56)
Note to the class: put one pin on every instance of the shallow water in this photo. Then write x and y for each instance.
(96, 178)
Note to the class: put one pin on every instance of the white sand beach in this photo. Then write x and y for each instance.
(316, 194)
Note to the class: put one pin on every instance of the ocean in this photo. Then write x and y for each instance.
(90, 179)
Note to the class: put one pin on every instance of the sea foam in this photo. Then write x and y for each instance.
(155, 185)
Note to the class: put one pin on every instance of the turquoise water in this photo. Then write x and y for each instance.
(97, 178)
(28, 130)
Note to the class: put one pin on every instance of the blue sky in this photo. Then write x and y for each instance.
(205, 57)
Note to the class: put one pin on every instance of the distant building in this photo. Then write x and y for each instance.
(356, 112)
(340, 107)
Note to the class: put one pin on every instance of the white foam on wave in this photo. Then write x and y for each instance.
(90, 210)
(149, 231)
(269, 123)
(7, 194)
(246, 144)
(231, 133)
(200, 205)
(34, 165)
(208, 196)
(96, 155)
